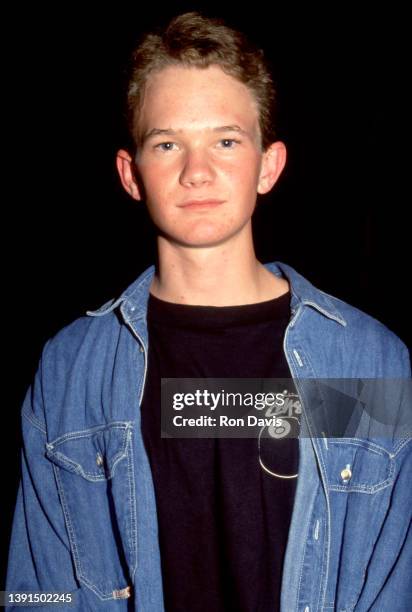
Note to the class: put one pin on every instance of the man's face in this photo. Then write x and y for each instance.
(199, 159)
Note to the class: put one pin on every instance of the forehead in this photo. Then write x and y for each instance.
(182, 98)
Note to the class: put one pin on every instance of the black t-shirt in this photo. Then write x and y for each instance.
(223, 520)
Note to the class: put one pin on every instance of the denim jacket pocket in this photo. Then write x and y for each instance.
(95, 478)
(358, 466)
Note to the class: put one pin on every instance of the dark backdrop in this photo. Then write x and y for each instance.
(74, 240)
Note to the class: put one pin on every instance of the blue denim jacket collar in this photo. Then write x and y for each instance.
(134, 299)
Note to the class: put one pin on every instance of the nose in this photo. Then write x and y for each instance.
(197, 169)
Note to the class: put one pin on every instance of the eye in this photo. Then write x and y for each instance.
(229, 143)
(165, 146)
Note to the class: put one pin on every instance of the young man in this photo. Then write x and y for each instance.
(121, 518)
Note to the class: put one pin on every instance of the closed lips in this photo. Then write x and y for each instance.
(201, 203)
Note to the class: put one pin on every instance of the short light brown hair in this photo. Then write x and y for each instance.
(193, 40)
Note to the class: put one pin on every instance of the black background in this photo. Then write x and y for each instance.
(74, 239)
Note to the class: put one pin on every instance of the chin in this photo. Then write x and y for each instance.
(200, 241)
(203, 234)
(198, 235)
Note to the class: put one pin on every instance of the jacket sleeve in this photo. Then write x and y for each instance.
(39, 554)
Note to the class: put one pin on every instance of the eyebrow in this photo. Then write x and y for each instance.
(169, 132)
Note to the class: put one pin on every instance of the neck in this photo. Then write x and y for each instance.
(214, 276)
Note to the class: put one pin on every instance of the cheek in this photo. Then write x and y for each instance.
(155, 183)
(151, 178)
(244, 175)
(155, 170)
(160, 206)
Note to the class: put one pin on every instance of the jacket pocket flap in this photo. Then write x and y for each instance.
(357, 465)
(93, 453)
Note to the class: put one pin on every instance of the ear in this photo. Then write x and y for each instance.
(124, 164)
(273, 162)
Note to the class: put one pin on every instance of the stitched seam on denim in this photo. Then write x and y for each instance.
(333, 299)
(308, 365)
(65, 460)
(323, 572)
(139, 364)
(106, 308)
(133, 518)
(287, 350)
(84, 433)
(367, 488)
(96, 591)
(327, 529)
(148, 492)
(298, 315)
(302, 562)
(327, 314)
(33, 421)
(362, 488)
(77, 468)
(70, 530)
(69, 525)
(370, 446)
(401, 444)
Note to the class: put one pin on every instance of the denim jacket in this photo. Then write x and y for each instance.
(85, 519)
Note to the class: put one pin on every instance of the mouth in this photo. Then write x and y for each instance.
(200, 204)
